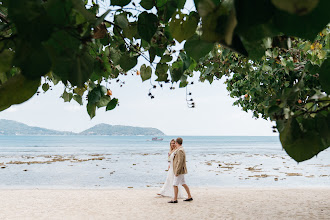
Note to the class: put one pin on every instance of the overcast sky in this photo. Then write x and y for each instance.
(168, 111)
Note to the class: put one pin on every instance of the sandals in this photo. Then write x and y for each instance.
(188, 200)
(176, 201)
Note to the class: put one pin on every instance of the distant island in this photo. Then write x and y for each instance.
(9, 127)
(105, 129)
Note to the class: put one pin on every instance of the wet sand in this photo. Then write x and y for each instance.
(75, 171)
(209, 203)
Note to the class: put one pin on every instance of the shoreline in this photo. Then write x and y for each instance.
(109, 188)
(209, 203)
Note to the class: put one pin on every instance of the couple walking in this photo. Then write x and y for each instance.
(177, 168)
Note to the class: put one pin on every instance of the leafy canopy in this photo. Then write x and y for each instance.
(279, 61)
(286, 86)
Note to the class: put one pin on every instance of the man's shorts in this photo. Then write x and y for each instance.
(179, 180)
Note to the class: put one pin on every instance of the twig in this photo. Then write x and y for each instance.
(4, 17)
(129, 45)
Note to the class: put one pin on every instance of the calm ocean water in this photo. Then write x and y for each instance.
(136, 161)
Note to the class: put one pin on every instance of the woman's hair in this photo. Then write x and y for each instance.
(170, 145)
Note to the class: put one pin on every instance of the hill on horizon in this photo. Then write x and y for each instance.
(106, 129)
(10, 127)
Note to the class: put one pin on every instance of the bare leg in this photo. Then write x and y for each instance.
(187, 190)
(176, 190)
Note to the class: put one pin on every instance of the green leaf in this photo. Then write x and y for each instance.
(145, 72)
(306, 26)
(79, 91)
(78, 99)
(67, 96)
(254, 25)
(255, 49)
(58, 11)
(166, 8)
(80, 7)
(63, 43)
(161, 3)
(91, 108)
(183, 81)
(130, 31)
(76, 69)
(121, 20)
(4, 27)
(115, 55)
(152, 54)
(3, 77)
(120, 2)
(299, 7)
(112, 104)
(6, 60)
(160, 51)
(127, 62)
(95, 95)
(103, 90)
(101, 18)
(197, 48)
(104, 100)
(147, 4)
(31, 20)
(147, 25)
(254, 14)
(181, 4)
(219, 24)
(322, 54)
(183, 84)
(305, 140)
(209, 71)
(325, 76)
(177, 70)
(236, 45)
(106, 40)
(161, 72)
(186, 61)
(32, 59)
(209, 78)
(71, 61)
(183, 27)
(166, 58)
(273, 109)
(16, 90)
(45, 87)
(312, 69)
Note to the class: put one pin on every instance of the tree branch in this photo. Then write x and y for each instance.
(3, 17)
(319, 110)
(8, 38)
(129, 45)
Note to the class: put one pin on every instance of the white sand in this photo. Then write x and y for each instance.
(213, 203)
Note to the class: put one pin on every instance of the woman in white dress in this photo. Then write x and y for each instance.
(167, 189)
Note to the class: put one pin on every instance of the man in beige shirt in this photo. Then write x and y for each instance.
(180, 169)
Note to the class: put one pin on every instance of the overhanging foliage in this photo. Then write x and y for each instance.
(70, 41)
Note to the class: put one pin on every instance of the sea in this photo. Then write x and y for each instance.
(92, 162)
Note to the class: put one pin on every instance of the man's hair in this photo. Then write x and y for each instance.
(179, 141)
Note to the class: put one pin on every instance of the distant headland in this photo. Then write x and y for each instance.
(9, 127)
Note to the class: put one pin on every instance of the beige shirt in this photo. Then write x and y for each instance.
(179, 162)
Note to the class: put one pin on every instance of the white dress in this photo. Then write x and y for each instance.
(167, 189)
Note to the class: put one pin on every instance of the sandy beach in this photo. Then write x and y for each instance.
(209, 203)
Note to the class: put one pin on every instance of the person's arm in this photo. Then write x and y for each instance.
(179, 163)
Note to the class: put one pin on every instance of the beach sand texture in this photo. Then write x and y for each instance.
(209, 203)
